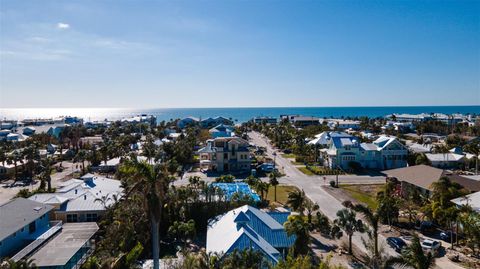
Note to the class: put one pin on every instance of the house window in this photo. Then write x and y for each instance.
(347, 148)
(72, 218)
(225, 156)
(32, 227)
(91, 217)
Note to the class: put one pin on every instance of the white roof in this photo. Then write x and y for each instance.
(472, 200)
(444, 157)
(78, 195)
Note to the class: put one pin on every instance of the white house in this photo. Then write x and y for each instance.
(472, 200)
(445, 160)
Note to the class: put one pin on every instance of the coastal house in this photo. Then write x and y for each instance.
(321, 140)
(81, 200)
(265, 120)
(225, 154)
(247, 227)
(188, 121)
(304, 121)
(222, 130)
(210, 122)
(341, 124)
(14, 137)
(55, 131)
(472, 200)
(22, 221)
(445, 160)
(143, 118)
(344, 150)
(29, 130)
(26, 232)
(422, 176)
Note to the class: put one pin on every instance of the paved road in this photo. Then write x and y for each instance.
(7, 192)
(312, 185)
(329, 205)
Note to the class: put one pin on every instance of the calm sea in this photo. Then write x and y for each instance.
(237, 114)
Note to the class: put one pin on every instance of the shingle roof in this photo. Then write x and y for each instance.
(18, 213)
(444, 157)
(424, 175)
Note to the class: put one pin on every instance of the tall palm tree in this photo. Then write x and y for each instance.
(413, 256)
(274, 182)
(347, 221)
(371, 217)
(296, 200)
(151, 183)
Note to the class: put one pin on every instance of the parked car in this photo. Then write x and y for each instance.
(447, 236)
(426, 227)
(396, 243)
(431, 246)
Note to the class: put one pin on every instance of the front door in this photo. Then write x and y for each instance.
(225, 167)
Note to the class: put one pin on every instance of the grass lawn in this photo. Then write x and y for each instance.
(304, 170)
(289, 156)
(282, 193)
(363, 193)
(296, 163)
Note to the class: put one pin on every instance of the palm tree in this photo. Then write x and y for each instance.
(296, 200)
(297, 226)
(311, 207)
(151, 183)
(413, 256)
(274, 182)
(21, 264)
(347, 220)
(371, 217)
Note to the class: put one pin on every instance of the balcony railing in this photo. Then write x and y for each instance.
(55, 226)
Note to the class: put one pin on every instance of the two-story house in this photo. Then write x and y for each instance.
(21, 221)
(225, 154)
(384, 153)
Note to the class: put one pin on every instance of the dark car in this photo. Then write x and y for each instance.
(426, 227)
(447, 236)
(396, 243)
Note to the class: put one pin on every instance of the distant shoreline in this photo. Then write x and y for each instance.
(240, 114)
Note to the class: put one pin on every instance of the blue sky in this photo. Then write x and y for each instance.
(146, 54)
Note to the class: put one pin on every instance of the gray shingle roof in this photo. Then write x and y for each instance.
(18, 213)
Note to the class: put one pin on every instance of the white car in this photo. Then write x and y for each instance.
(431, 246)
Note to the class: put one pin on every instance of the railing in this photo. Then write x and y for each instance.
(55, 227)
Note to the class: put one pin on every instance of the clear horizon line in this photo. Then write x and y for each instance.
(220, 107)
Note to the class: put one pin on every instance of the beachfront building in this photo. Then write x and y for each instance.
(188, 121)
(247, 227)
(143, 118)
(225, 154)
(222, 130)
(265, 120)
(421, 177)
(345, 152)
(340, 124)
(81, 200)
(210, 122)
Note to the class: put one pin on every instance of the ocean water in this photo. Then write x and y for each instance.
(237, 114)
